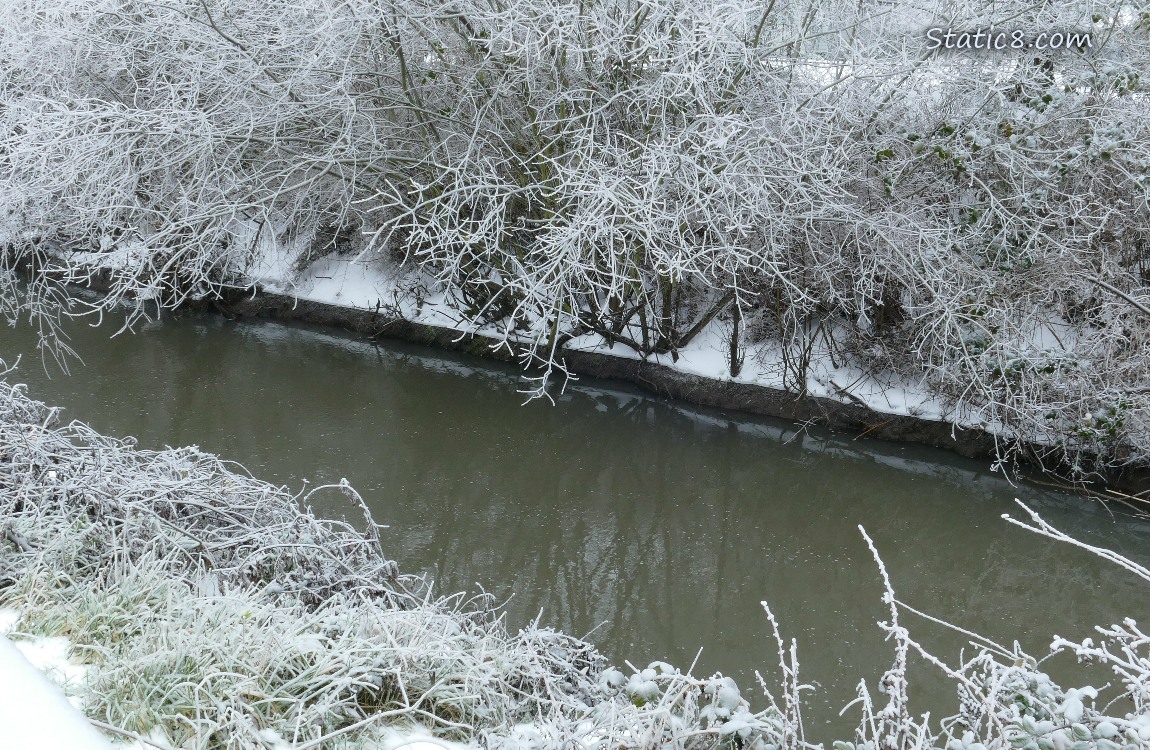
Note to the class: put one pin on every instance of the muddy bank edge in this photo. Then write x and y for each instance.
(851, 418)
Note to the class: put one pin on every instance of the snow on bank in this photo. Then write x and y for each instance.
(379, 285)
(375, 285)
(35, 714)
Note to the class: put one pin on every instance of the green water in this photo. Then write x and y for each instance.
(656, 528)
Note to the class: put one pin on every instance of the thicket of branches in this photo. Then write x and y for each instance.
(215, 613)
(803, 175)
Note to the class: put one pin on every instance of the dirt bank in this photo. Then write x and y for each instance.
(852, 418)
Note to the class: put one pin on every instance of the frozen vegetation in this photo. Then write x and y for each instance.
(793, 193)
(208, 610)
(790, 193)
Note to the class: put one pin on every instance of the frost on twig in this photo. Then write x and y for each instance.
(1005, 699)
(1040, 526)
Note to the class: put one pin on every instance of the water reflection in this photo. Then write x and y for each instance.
(657, 526)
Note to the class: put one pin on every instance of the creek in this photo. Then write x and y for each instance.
(653, 528)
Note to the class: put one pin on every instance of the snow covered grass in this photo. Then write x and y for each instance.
(210, 611)
(34, 713)
(214, 613)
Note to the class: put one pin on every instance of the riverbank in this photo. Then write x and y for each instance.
(349, 296)
(909, 268)
(378, 300)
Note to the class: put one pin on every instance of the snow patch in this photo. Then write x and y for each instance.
(51, 656)
(8, 619)
(34, 712)
(418, 740)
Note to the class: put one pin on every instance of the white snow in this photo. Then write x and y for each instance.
(51, 657)
(593, 342)
(122, 256)
(347, 283)
(764, 366)
(419, 740)
(34, 712)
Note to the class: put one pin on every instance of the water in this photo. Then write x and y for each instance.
(654, 527)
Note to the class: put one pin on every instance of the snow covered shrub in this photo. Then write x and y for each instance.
(805, 180)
